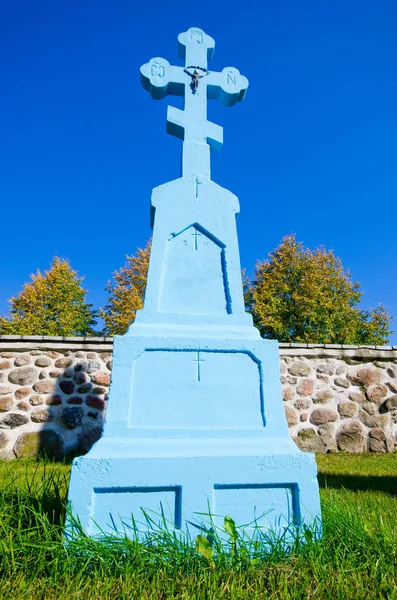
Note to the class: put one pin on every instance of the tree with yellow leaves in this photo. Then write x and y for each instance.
(299, 295)
(127, 293)
(52, 303)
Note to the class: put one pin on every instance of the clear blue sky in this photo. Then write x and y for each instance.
(311, 150)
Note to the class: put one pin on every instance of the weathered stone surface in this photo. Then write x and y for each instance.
(7, 355)
(347, 409)
(5, 389)
(341, 370)
(365, 377)
(91, 355)
(35, 400)
(322, 377)
(80, 354)
(309, 441)
(291, 380)
(101, 378)
(351, 438)
(3, 440)
(72, 416)
(68, 373)
(374, 420)
(306, 387)
(44, 387)
(299, 369)
(52, 354)
(81, 366)
(55, 374)
(392, 385)
(288, 393)
(80, 378)
(370, 408)
(88, 438)
(63, 363)
(391, 403)
(323, 397)
(43, 361)
(377, 434)
(95, 402)
(327, 434)
(66, 386)
(291, 415)
(53, 400)
(392, 372)
(376, 393)
(46, 442)
(41, 415)
(93, 366)
(22, 405)
(109, 365)
(75, 400)
(42, 375)
(35, 353)
(340, 382)
(5, 365)
(92, 414)
(320, 416)
(326, 369)
(304, 417)
(376, 445)
(303, 403)
(6, 403)
(357, 397)
(13, 420)
(22, 360)
(23, 376)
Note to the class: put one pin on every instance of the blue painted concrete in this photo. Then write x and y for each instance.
(195, 421)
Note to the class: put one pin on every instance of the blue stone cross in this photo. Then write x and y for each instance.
(196, 83)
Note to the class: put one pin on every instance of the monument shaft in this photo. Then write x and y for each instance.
(195, 420)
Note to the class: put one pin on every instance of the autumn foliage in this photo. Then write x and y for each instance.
(299, 295)
(52, 303)
(127, 292)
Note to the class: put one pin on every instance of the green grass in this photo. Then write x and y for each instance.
(357, 557)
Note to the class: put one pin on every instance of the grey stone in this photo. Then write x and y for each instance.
(35, 400)
(357, 397)
(391, 403)
(326, 369)
(308, 441)
(323, 397)
(44, 387)
(23, 376)
(320, 416)
(376, 393)
(291, 415)
(93, 365)
(340, 382)
(88, 438)
(63, 363)
(72, 416)
(3, 440)
(392, 385)
(43, 361)
(341, 370)
(370, 408)
(66, 386)
(13, 420)
(376, 445)
(41, 415)
(5, 390)
(347, 409)
(34, 443)
(22, 360)
(299, 369)
(351, 438)
(374, 420)
(303, 403)
(392, 373)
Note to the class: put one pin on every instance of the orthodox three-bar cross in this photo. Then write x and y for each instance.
(196, 83)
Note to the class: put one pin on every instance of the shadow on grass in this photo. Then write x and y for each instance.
(365, 483)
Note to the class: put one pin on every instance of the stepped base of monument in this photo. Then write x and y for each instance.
(134, 487)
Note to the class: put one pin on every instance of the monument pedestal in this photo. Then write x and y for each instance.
(200, 430)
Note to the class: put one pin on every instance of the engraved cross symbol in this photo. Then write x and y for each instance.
(196, 234)
(198, 360)
(160, 79)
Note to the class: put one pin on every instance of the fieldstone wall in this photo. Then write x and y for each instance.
(53, 394)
